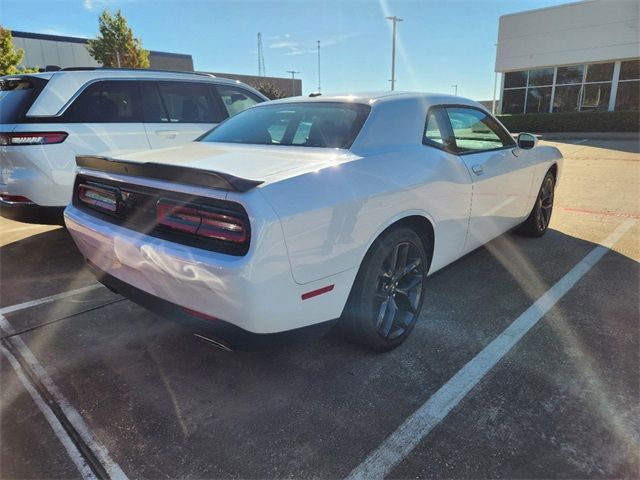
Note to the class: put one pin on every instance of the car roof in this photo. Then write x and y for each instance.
(397, 119)
(63, 85)
(378, 97)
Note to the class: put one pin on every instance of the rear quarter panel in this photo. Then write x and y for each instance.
(331, 217)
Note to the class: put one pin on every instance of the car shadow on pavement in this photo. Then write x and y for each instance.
(41, 265)
(166, 404)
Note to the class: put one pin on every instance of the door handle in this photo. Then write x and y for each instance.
(167, 133)
(477, 169)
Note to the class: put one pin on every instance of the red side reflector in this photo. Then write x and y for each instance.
(317, 292)
(32, 138)
(15, 198)
(200, 315)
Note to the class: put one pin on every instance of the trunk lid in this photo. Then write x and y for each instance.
(265, 164)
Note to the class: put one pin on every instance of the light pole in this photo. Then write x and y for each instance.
(456, 89)
(319, 66)
(495, 83)
(293, 82)
(395, 20)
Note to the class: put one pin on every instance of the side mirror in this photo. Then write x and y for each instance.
(527, 141)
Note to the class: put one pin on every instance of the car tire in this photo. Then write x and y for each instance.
(387, 295)
(538, 221)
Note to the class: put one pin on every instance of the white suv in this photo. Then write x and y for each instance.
(46, 119)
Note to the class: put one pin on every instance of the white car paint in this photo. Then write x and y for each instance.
(317, 213)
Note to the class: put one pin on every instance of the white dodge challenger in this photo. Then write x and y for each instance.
(298, 213)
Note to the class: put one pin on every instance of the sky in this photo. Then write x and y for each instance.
(439, 43)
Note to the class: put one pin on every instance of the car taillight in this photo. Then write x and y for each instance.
(98, 197)
(200, 221)
(32, 138)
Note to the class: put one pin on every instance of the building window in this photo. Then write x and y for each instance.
(570, 74)
(566, 98)
(596, 96)
(543, 76)
(513, 100)
(515, 79)
(630, 70)
(628, 97)
(599, 72)
(538, 100)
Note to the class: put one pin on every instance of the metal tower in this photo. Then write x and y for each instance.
(261, 69)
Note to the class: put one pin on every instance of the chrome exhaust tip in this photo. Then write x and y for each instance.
(214, 342)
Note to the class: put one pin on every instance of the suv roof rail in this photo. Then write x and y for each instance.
(80, 69)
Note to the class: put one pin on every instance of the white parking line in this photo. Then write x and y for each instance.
(402, 442)
(72, 415)
(58, 429)
(52, 298)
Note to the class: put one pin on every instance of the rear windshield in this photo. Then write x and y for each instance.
(319, 124)
(17, 94)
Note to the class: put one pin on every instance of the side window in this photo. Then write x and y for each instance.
(236, 99)
(152, 106)
(436, 132)
(475, 131)
(109, 101)
(189, 102)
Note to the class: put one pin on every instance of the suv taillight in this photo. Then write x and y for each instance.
(32, 138)
(200, 221)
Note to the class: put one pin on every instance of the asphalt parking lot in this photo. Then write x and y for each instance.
(95, 385)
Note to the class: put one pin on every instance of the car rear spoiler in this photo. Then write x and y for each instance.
(170, 173)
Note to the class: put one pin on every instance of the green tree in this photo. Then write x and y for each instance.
(115, 45)
(269, 90)
(10, 58)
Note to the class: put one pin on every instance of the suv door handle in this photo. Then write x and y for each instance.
(477, 169)
(167, 133)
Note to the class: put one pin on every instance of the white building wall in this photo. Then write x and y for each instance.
(583, 32)
(40, 53)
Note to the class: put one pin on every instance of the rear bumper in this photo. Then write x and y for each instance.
(32, 213)
(42, 173)
(255, 293)
(223, 334)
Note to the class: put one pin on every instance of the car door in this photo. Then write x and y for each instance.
(501, 181)
(106, 117)
(450, 188)
(178, 112)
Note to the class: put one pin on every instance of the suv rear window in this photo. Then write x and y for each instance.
(318, 124)
(17, 94)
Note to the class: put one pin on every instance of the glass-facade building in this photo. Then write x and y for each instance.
(612, 86)
(573, 57)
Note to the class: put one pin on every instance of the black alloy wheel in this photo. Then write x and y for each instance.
(388, 293)
(538, 221)
(545, 200)
(399, 290)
